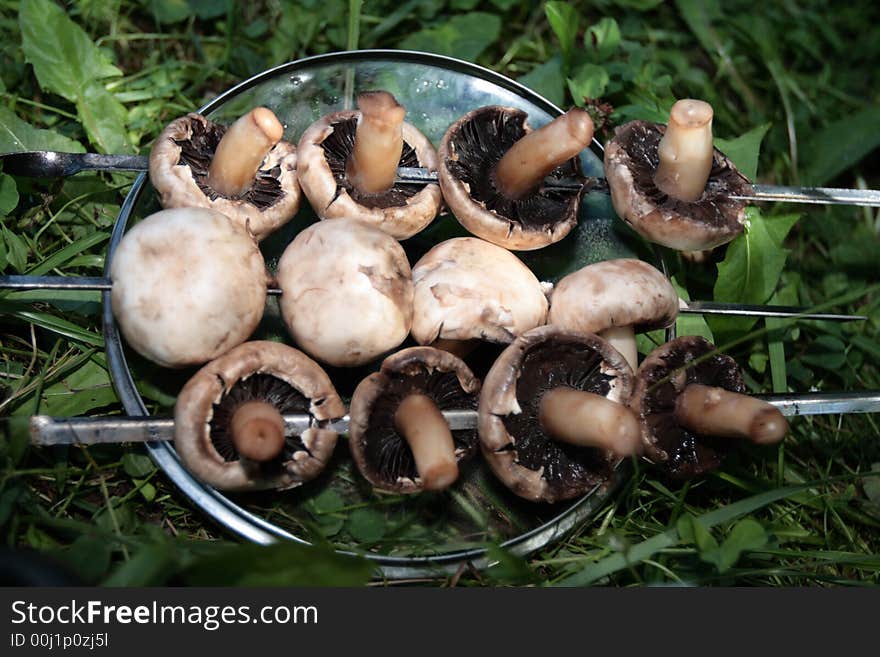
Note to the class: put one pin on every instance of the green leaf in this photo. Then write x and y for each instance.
(282, 564)
(747, 534)
(88, 557)
(84, 390)
(104, 119)
(826, 352)
(8, 194)
(640, 5)
(168, 11)
(690, 530)
(137, 465)
(840, 145)
(16, 249)
(64, 58)
(547, 80)
(366, 525)
(751, 268)
(509, 569)
(56, 325)
(603, 38)
(744, 150)
(564, 21)
(589, 81)
(151, 565)
(464, 36)
(17, 135)
(210, 9)
(871, 487)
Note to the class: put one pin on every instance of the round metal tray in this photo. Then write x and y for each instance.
(435, 90)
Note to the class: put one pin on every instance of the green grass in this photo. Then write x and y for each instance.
(805, 513)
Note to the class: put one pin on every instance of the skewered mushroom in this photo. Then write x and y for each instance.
(512, 186)
(245, 172)
(228, 420)
(398, 437)
(188, 285)
(669, 183)
(552, 416)
(348, 163)
(691, 402)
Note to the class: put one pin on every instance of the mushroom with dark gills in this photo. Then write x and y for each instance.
(348, 164)
(614, 298)
(246, 171)
(510, 185)
(347, 292)
(228, 425)
(553, 418)
(399, 438)
(691, 403)
(188, 285)
(671, 185)
(467, 289)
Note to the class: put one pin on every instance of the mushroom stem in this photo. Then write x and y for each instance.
(718, 412)
(257, 431)
(241, 151)
(378, 142)
(686, 151)
(530, 159)
(623, 338)
(426, 432)
(590, 420)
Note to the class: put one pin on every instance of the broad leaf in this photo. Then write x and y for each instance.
(464, 36)
(751, 268)
(563, 19)
(64, 58)
(688, 324)
(588, 81)
(17, 135)
(547, 80)
(603, 38)
(747, 534)
(104, 119)
(366, 525)
(744, 150)
(8, 194)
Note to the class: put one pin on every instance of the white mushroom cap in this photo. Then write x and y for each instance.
(332, 201)
(188, 285)
(613, 293)
(177, 187)
(467, 288)
(346, 291)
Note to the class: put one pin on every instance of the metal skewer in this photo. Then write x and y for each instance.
(21, 283)
(53, 164)
(47, 430)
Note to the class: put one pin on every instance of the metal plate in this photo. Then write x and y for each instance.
(425, 535)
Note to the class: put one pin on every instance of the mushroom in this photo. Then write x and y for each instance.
(512, 186)
(468, 289)
(399, 438)
(244, 171)
(552, 415)
(669, 183)
(614, 298)
(348, 164)
(229, 428)
(690, 401)
(347, 292)
(187, 285)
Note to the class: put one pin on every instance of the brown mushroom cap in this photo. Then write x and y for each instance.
(347, 291)
(468, 154)
(681, 453)
(381, 454)
(179, 162)
(271, 371)
(466, 288)
(631, 160)
(622, 292)
(521, 454)
(402, 211)
(188, 285)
